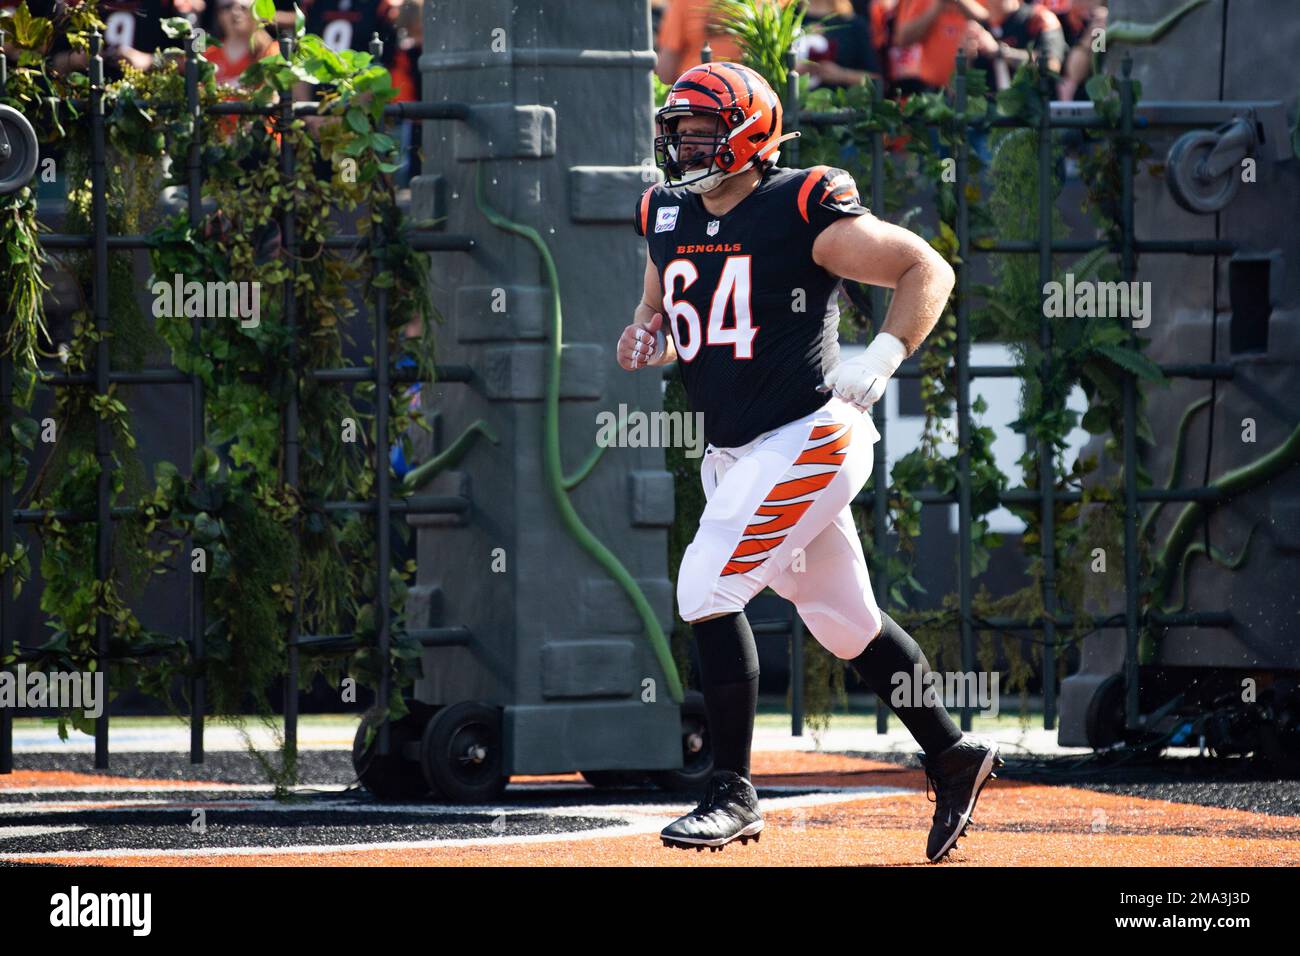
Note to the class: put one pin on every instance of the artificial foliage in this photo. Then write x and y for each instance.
(922, 134)
(266, 546)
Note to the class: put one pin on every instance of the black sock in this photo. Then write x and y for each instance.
(893, 651)
(729, 681)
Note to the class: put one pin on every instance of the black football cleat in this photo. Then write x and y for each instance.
(729, 811)
(957, 774)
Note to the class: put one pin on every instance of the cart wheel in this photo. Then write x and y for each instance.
(1183, 172)
(462, 753)
(1280, 747)
(19, 151)
(392, 777)
(697, 749)
(612, 779)
(1104, 722)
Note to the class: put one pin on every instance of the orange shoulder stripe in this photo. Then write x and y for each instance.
(645, 210)
(812, 179)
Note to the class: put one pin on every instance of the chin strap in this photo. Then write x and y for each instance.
(699, 188)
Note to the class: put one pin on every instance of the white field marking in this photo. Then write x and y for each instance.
(81, 806)
(14, 833)
(181, 805)
(176, 739)
(182, 786)
(635, 829)
(170, 747)
(646, 824)
(178, 786)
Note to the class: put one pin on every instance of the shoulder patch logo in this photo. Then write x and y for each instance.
(712, 228)
(666, 219)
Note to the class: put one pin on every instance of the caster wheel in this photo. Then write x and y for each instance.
(1183, 172)
(462, 753)
(1104, 723)
(697, 751)
(19, 151)
(390, 777)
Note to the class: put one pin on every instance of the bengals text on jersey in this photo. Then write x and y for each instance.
(754, 319)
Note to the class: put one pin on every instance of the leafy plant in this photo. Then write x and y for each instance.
(765, 30)
(268, 548)
(921, 135)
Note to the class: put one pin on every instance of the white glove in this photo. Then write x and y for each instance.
(861, 381)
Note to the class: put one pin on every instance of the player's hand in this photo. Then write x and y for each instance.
(979, 42)
(642, 345)
(815, 68)
(861, 381)
(137, 58)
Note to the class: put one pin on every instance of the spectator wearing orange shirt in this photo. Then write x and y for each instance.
(836, 48)
(927, 35)
(1081, 24)
(881, 15)
(242, 41)
(685, 27)
(1016, 32)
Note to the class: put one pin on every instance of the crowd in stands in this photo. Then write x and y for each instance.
(910, 46)
(133, 35)
(133, 32)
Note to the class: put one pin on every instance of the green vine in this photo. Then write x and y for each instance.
(1093, 354)
(560, 484)
(234, 517)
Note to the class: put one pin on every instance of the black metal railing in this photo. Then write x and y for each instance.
(1128, 247)
(383, 505)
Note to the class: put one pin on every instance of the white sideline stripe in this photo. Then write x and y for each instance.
(180, 805)
(653, 820)
(181, 787)
(766, 739)
(646, 827)
(75, 806)
(90, 749)
(13, 833)
(178, 787)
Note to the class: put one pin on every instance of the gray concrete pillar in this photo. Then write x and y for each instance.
(561, 121)
(1242, 53)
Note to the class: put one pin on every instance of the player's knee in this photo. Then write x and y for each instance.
(843, 634)
(695, 585)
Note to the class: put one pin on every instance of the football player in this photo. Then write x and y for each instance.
(745, 259)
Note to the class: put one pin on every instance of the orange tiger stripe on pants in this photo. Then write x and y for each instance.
(778, 515)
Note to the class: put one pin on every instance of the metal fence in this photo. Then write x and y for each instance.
(1128, 247)
(383, 505)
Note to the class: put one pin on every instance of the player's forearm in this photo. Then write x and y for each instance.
(919, 300)
(667, 65)
(972, 10)
(1078, 66)
(1013, 55)
(914, 31)
(843, 75)
(670, 352)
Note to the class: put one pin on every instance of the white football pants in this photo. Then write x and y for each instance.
(778, 516)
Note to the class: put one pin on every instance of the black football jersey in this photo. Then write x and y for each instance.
(754, 318)
(344, 24)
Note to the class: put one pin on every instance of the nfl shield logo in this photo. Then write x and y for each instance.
(712, 230)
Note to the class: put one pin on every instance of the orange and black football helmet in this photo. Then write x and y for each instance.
(747, 126)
